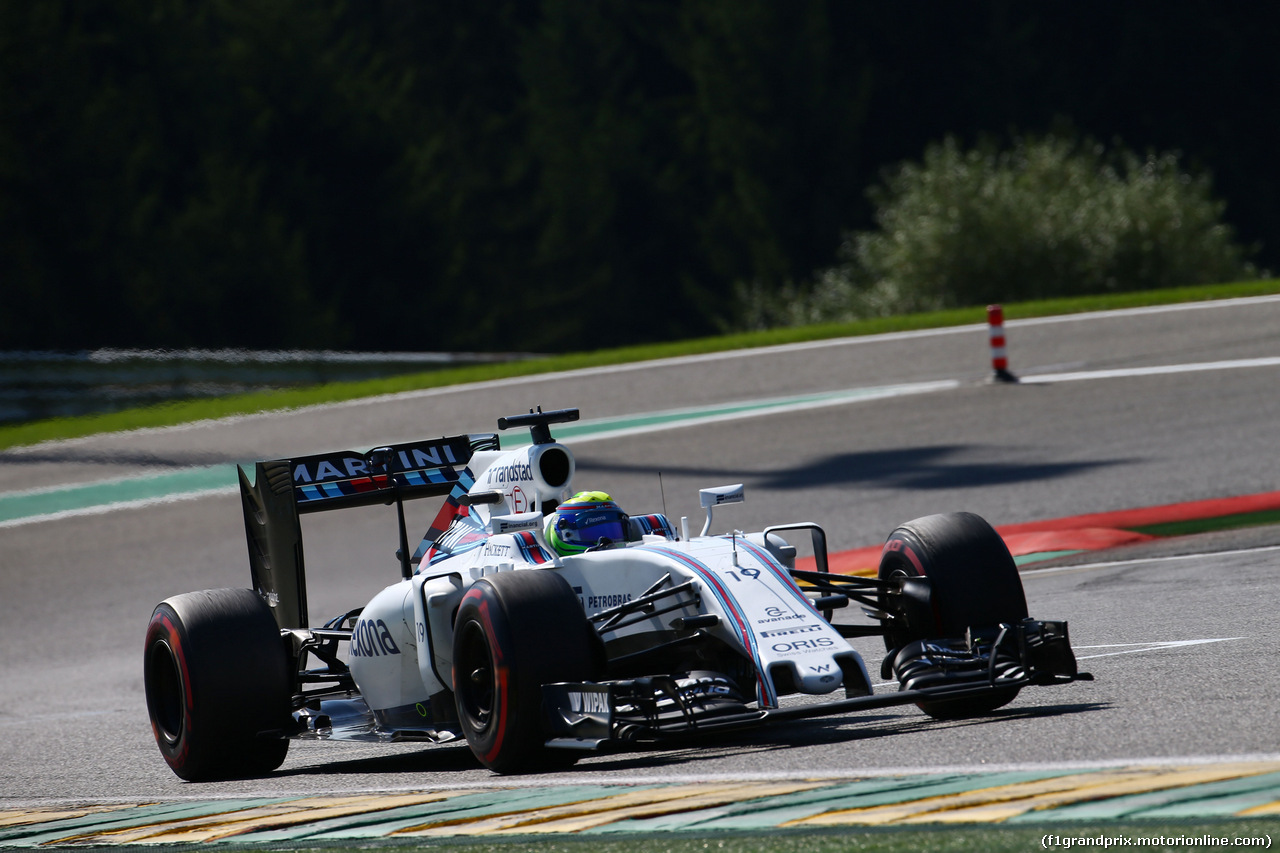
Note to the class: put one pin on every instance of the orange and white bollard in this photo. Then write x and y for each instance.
(999, 355)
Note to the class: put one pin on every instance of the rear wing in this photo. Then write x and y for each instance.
(284, 489)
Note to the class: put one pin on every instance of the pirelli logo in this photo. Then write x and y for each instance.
(786, 632)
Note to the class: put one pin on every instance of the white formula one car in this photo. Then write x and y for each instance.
(540, 630)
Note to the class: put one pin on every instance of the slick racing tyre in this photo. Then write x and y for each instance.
(515, 632)
(218, 685)
(975, 585)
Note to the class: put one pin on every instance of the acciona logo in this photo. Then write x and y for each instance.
(372, 639)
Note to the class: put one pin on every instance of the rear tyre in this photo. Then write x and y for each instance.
(218, 685)
(513, 633)
(975, 585)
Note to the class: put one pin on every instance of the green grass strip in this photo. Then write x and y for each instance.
(79, 497)
(1177, 835)
(1209, 525)
(1041, 556)
(193, 410)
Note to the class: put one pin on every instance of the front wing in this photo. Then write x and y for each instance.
(593, 715)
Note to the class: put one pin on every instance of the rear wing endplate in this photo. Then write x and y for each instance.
(284, 489)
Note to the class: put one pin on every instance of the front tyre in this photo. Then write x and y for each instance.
(218, 685)
(515, 632)
(975, 585)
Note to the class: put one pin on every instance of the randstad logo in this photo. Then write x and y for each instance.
(516, 472)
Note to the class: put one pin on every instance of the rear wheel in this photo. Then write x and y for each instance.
(218, 685)
(515, 632)
(975, 585)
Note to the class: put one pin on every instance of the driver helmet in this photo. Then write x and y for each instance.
(583, 520)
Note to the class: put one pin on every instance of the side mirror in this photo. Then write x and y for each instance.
(719, 496)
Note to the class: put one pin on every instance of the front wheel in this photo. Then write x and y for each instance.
(218, 685)
(515, 632)
(975, 586)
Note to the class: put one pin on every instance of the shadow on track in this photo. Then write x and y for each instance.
(685, 753)
(907, 468)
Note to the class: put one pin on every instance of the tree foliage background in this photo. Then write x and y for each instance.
(1043, 218)
(541, 174)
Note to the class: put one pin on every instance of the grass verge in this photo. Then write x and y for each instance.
(1211, 525)
(1147, 835)
(242, 404)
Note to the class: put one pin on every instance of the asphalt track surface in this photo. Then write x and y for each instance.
(1181, 635)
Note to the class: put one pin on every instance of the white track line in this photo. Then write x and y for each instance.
(1153, 370)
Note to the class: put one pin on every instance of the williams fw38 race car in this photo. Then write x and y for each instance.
(542, 624)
